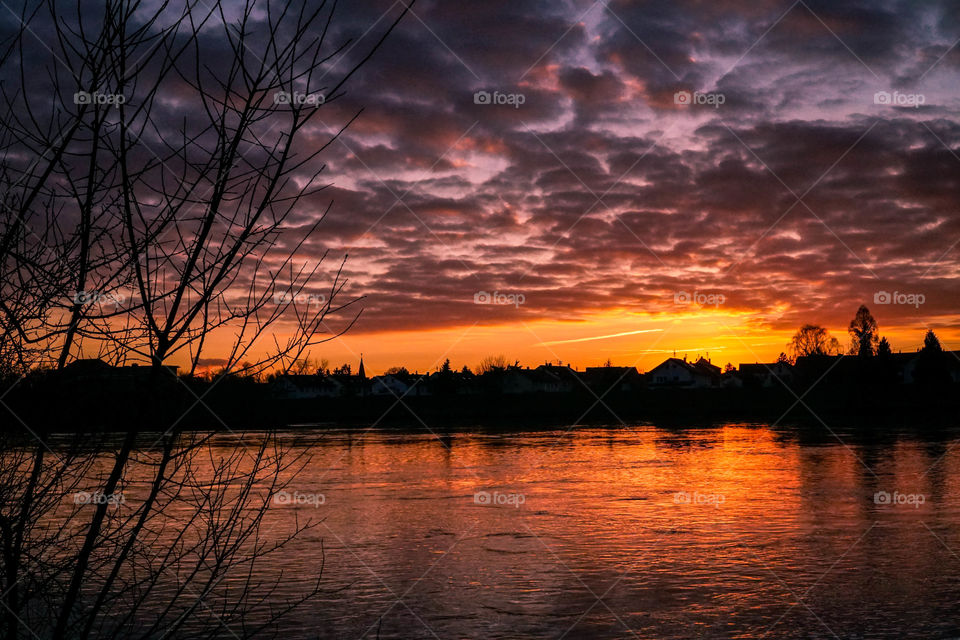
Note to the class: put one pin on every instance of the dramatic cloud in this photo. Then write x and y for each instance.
(598, 157)
(796, 192)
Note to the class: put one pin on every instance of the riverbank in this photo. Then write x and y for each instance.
(240, 404)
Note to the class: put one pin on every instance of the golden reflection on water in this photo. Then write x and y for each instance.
(739, 531)
(727, 532)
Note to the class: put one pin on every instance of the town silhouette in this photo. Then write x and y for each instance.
(866, 380)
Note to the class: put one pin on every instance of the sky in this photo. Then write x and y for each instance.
(645, 178)
(578, 181)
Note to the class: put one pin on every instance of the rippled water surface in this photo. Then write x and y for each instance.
(738, 531)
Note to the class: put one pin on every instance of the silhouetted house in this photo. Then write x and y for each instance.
(712, 370)
(449, 382)
(731, 379)
(815, 369)
(604, 379)
(774, 374)
(419, 385)
(349, 384)
(920, 367)
(516, 380)
(896, 368)
(543, 379)
(88, 368)
(388, 385)
(94, 368)
(674, 372)
(466, 383)
(306, 386)
(552, 378)
(403, 383)
(902, 366)
(953, 364)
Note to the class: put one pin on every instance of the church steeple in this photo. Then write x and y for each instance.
(361, 372)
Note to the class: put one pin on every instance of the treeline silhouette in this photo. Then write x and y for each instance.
(815, 378)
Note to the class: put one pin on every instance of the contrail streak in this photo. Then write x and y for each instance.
(612, 335)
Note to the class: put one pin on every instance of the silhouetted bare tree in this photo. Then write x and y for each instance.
(813, 340)
(150, 166)
(863, 333)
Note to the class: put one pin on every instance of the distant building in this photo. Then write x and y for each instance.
(604, 379)
(553, 378)
(321, 384)
(674, 372)
(92, 368)
(307, 386)
(388, 385)
(546, 378)
(517, 380)
(774, 374)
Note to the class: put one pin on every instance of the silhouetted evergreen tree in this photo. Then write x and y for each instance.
(931, 363)
(883, 348)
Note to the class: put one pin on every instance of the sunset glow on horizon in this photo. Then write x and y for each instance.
(722, 338)
(599, 163)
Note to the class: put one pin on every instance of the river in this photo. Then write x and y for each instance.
(740, 531)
